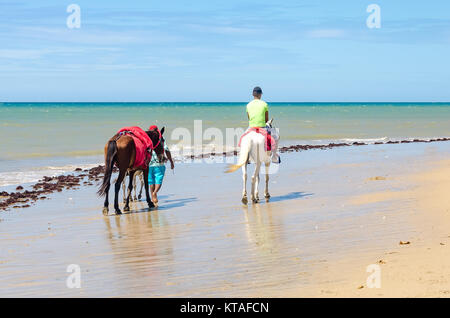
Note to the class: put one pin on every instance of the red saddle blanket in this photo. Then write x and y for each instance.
(270, 142)
(143, 145)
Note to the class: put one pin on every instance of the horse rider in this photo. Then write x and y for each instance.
(258, 116)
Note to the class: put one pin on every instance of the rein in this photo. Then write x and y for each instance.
(159, 141)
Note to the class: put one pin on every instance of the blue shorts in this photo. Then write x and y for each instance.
(156, 174)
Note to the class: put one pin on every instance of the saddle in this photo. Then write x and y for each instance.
(269, 140)
(143, 145)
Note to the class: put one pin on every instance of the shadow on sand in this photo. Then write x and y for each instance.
(290, 196)
(176, 203)
(163, 205)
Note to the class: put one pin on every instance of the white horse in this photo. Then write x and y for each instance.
(253, 150)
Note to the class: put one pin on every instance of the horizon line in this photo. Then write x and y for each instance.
(225, 102)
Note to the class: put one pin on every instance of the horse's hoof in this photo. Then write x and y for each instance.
(139, 197)
(118, 212)
(105, 211)
(135, 199)
(267, 197)
(126, 209)
(255, 201)
(244, 200)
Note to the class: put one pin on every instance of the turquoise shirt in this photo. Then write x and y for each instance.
(154, 162)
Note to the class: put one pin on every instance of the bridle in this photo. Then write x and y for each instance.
(159, 140)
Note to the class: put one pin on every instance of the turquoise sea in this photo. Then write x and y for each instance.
(52, 138)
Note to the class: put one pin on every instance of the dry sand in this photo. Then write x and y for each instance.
(419, 266)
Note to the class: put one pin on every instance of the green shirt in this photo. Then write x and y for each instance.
(256, 110)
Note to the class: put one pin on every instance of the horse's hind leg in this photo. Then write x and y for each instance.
(116, 191)
(147, 192)
(255, 182)
(130, 188)
(244, 179)
(266, 190)
(124, 187)
(135, 186)
(106, 204)
(141, 178)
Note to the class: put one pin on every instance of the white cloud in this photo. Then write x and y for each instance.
(326, 33)
(33, 54)
(222, 29)
(21, 54)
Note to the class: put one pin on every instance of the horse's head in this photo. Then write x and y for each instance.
(157, 138)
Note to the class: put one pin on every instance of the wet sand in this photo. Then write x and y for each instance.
(331, 214)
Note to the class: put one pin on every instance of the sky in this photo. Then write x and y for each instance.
(152, 51)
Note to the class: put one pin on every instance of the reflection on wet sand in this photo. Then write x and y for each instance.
(141, 244)
(274, 253)
(260, 229)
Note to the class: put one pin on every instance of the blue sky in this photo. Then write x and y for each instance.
(218, 50)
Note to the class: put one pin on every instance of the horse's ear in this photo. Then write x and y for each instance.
(162, 130)
(270, 122)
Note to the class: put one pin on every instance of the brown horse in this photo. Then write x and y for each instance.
(121, 151)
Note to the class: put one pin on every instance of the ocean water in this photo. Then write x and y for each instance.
(52, 138)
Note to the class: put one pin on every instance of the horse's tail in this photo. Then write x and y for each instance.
(243, 156)
(109, 165)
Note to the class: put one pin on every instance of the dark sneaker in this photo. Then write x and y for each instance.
(276, 158)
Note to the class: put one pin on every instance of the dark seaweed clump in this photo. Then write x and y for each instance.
(48, 185)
